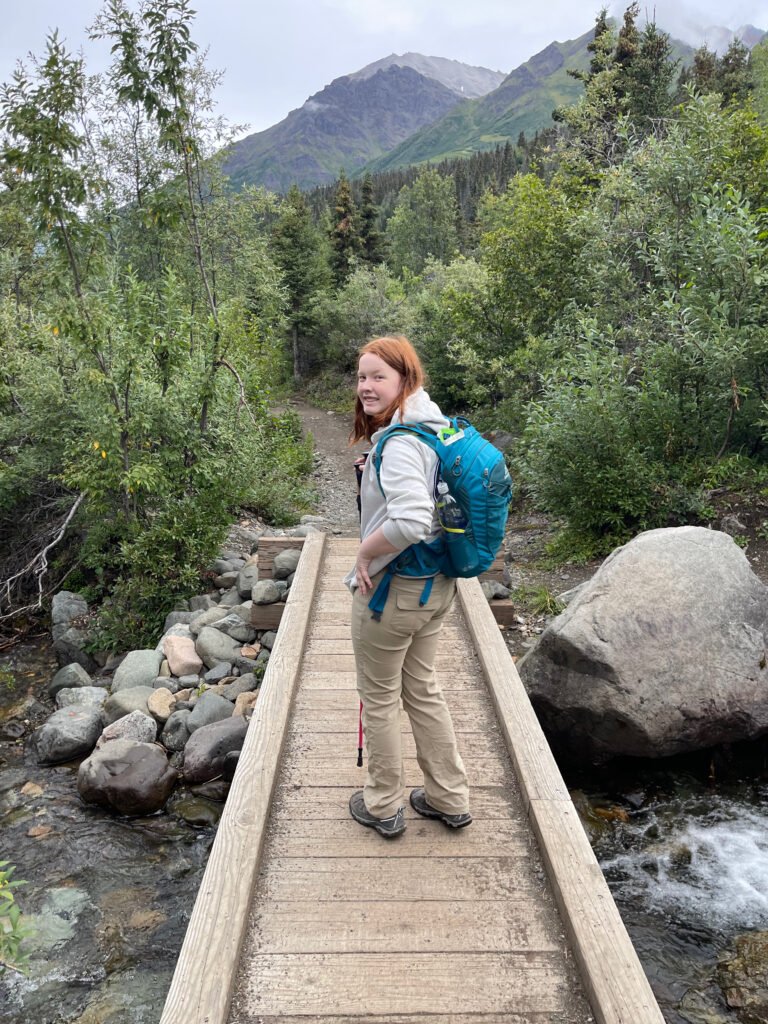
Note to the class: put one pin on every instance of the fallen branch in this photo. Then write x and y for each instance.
(243, 403)
(38, 566)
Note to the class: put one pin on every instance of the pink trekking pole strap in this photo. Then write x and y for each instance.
(360, 739)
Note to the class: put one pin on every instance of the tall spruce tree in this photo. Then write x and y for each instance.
(298, 249)
(345, 240)
(371, 239)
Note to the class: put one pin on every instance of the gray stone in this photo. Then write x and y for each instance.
(288, 581)
(230, 598)
(126, 701)
(244, 610)
(85, 696)
(230, 555)
(180, 629)
(569, 595)
(218, 672)
(175, 733)
(207, 618)
(168, 683)
(69, 732)
(131, 778)
(311, 519)
(245, 684)
(304, 531)
(235, 628)
(246, 579)
(209, 707)
(229, 765)
(68, 677)
(265, 592)
(201, 602)
(176, 618)
(494, 590)
(268, 639)
(135, 726)
(262, 657)
(190, 681)
(222, 565)
(205, 752)
(67, 606)
(69, 645)
(512, 577)
(225, 580)
(139, 668)
(285, 563)
(214, 647)
(662, 652)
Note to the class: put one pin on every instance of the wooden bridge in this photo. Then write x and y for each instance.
(304, 916)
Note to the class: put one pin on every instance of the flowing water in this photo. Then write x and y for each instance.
(109, 898)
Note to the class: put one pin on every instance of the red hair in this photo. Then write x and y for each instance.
(399, 353)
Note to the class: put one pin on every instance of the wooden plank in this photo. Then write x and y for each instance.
(617, 988)
(322, 662)
(325, 803)
(504, 611)
(448, 680)
(202, 984)
(343, 771)
(530, 1017)
(369, 983)
(534, 764)
(267, 616)
(339, 640)
(345, 722)
(332, 746)
(476, 701)
(451, 926)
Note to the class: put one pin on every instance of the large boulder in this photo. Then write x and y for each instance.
(209, 707)
(67, 606)
(131, 778)
(215, 647)
(68, 733)
(126, 701)
(138, 668)
(662, 652)
(73, 675)
(206, 749)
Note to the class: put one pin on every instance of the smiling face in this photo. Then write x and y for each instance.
(378, 384)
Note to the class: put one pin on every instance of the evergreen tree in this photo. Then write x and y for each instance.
(371, 239)
(650, 79)
(734, 77)
(345, 241)
(424, 222)
(297, 248)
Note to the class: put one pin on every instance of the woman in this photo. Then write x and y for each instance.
(395, 652)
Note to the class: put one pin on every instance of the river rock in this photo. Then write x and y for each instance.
(175, 733)
(218, 672)
(234, 627)
(265, 592)
(268, 639)
(73, 675)
(244, 684)
(69, 644)
(86, 696)
(161, 705)
(743, 977)
(229, 765)
(67, 606)
(222, 565)
(138, 668)
(182, 656)
(285, 563)
(246, 579)
(215, 647)
(230, 598)
(201, 602)
(125, 701)
(662, 652)
(169, 683)
(225, 580)
(177, 618)
(207, 618)
(209, 707)
(135, 726)
(69, 732)
(132, 778)
(180, 629)
(244, 702)
(196, 811)
(244, 610)
(207, 748)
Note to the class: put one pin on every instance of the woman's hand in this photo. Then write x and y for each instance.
(373, 545)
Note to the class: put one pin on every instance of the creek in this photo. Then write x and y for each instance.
(109, 898)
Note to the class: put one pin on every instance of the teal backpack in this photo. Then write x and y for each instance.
(478, 482)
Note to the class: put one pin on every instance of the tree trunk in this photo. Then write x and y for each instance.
(296, 358)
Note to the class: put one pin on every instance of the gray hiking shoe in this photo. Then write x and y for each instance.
(420, 805)
(390, 828)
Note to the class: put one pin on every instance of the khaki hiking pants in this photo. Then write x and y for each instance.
(395, 659)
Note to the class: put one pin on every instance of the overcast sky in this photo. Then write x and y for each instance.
(276, 54)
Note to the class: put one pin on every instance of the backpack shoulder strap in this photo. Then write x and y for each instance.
(424, 433)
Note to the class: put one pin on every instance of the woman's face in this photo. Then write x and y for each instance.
(378, 384)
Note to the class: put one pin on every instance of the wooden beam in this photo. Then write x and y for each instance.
(203, 982)
(616, 986)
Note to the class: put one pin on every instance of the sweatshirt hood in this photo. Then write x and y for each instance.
(419, 408)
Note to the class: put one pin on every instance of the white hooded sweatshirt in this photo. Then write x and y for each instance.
(408, 468)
